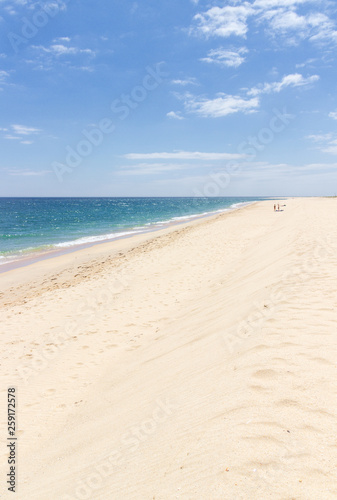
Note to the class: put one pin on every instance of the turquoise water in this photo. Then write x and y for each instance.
(36, 224)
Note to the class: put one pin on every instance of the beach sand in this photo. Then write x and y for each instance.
(198, 362)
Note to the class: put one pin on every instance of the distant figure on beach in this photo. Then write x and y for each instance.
(274, 208)
(278, 207)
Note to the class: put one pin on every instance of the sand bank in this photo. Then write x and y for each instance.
(195, 363)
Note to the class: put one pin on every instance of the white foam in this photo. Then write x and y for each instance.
(187, 217)
(8, 260)
(93, 239)
(242, 204)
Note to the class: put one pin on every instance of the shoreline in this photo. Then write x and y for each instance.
(69, 267)
(67, 248)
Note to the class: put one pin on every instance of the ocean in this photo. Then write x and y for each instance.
(38, 225)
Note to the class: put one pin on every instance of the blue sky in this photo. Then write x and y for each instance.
(164, 98)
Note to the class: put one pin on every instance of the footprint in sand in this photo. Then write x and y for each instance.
(259, 388)
(50, 392)
(265, 374)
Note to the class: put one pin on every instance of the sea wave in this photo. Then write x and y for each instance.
(187, 217)
(94, 239)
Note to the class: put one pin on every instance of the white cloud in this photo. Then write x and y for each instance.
(333, 115)
(46, 57)
(23, 130)
(284, 21)
(281, 18)
(223, 21)
(294, 80)
(152, 168)
(60, 50)
(226, 57)
(20, 133)
(183, 155)
(186, 81)
(55, 6)
(320, 137)
(12, 7)
(134, 8)
(315, 26)
(222, 105)
(331, 148)
(3, 76)
(62, 39)
(27, 173)
(327, 143)
(9, 10)
(89, 69)
(268, 4)
(308, 62)
(175, 115)
(325, 29)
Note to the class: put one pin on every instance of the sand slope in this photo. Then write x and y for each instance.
(199, 363)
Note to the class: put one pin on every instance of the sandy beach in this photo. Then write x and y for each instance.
(197, 362)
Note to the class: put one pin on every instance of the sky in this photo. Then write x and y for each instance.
(168, 98)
